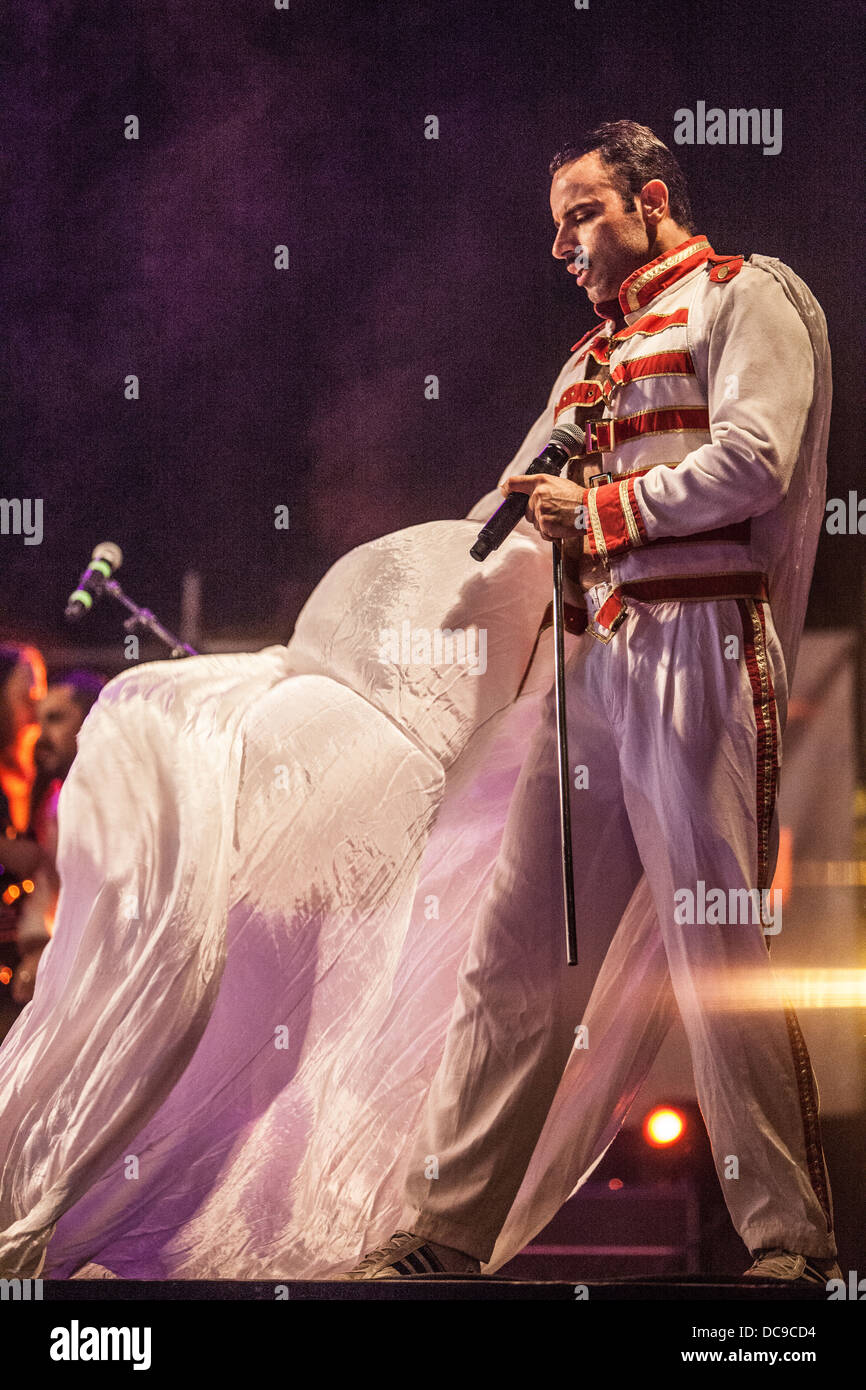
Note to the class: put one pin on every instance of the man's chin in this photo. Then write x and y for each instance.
(599, 294)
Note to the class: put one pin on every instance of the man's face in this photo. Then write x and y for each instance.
(60, 719)
(590, 217)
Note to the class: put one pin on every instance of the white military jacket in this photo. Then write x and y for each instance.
(714, 428)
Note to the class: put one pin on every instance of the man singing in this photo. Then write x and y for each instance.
(689, 530)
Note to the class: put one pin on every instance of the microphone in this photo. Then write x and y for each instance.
(106, 558)
(565, 442)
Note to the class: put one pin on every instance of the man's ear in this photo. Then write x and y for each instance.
(654, 202)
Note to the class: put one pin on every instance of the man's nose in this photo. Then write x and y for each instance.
(562, 246)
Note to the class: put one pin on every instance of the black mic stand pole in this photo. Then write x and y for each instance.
(566, 442)
(562, 750)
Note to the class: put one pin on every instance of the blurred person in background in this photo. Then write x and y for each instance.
(69, 698)
(22, 685)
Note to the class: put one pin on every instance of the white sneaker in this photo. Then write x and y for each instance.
(785, 1264)
(407, 1255)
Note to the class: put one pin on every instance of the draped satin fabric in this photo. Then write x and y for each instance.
(269, 865)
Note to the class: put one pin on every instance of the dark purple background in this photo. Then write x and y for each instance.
(408, 257)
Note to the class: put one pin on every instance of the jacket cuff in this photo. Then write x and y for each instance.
(615, 521)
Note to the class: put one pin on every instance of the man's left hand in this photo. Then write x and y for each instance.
(553, 505)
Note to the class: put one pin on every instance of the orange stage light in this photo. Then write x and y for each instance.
(664, 1126)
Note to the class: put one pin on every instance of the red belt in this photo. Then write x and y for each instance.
(749, 584)
(697, 587)
(611, 615)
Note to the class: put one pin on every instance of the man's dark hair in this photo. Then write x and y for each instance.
(635, 155)
(86, 686)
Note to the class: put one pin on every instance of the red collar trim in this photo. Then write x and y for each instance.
(648, 280)
(644, 284)
(607, 309)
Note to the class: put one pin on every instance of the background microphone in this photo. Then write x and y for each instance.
(565, 442)
(106, 558)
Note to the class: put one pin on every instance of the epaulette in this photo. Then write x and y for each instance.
(724, 267)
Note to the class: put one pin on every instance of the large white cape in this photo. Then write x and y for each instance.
(271, 865)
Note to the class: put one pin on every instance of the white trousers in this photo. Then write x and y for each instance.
(676, 724)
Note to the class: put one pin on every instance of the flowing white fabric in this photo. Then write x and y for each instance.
(268, 885)
(270, 869)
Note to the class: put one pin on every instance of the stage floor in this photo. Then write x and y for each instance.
(426, 1287)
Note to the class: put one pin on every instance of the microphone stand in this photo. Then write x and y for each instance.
(142, 617)
(566, 442)
(562, 752)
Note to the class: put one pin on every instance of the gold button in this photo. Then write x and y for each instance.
(722, 272)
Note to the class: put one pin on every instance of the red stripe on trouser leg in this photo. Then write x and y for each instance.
(767, 769)
(809, 1111)
(764, 702)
